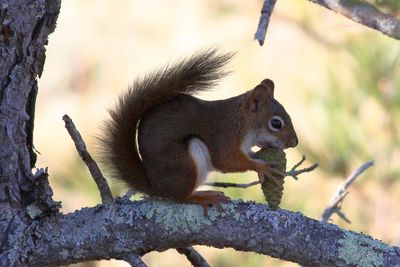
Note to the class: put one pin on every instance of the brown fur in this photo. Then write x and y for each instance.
(167, 117)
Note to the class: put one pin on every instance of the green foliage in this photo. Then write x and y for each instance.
(358, 113)
(376, 72)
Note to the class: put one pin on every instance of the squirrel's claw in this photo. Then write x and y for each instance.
(207, 198)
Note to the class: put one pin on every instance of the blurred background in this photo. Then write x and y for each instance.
(339, 81)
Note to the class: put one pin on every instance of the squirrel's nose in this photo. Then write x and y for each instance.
(293, 142)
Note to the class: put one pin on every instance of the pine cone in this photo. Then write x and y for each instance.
(273, 191)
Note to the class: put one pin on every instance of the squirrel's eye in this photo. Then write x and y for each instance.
(276, 123)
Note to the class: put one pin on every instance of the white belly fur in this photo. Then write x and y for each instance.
(201, 157)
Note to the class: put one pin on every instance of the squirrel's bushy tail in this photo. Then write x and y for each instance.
(118, 146)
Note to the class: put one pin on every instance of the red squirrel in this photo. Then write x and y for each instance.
(181, 138)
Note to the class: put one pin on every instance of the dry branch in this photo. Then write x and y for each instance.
(341, 193)
(193, 256)
(366, 14)
(227, 184)
(359, 11)
(134, 260)
(101, 182)
(266, 13)
(294, 172)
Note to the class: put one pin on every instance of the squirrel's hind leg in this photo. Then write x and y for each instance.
(177, 175)
(173, 174)
(202, 161)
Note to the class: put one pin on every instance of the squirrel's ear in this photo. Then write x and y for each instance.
(269, 85)
(261, 93)
(264, 90)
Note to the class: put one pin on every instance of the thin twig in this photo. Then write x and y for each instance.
(342, 215)
(102, 185)
(303, 158)
(341, 192)
(193, 256)
(134, 260)
(266, 12)
(226, 185)
(355, 174)
(294, 173)
(364, 13)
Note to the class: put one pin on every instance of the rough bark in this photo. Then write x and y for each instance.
(125, 227)
(24, 29)
(366, 14)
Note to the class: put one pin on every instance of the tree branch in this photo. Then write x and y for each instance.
(359, 11)
(193, 256)
(107, 231)
(101, 182)
(341, 193)
(364, 13)
(266, 13)
(134, 260)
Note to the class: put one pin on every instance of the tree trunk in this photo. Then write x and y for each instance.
(25, 26)
(24, 29)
